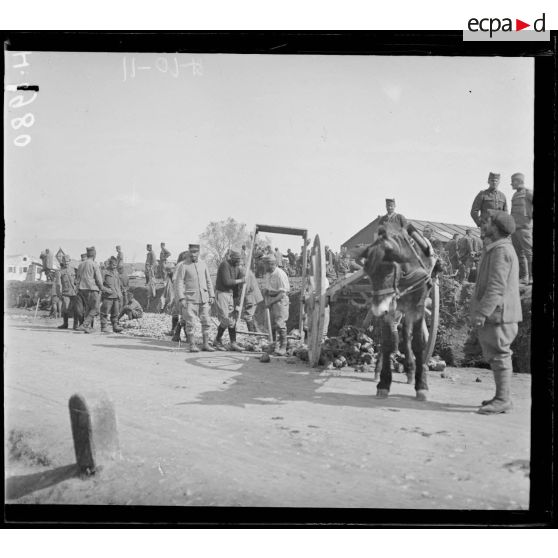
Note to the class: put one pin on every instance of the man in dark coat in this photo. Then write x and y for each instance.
(89, 287)
(496, 306)
(522, 238)
(229, 278)
(487, 200)
(111, 297)
(391, 217)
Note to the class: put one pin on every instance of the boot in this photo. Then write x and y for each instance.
(234, 346)
(523, 272)
(251, 326)
(192, 347)
(218, 343)
(282, 350)
(501, 402)
(206, 346)
(116, 327)
(173, 326)
(177, 329)
(65, 323)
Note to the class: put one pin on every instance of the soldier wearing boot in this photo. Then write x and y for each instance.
(496, 306)
(194, 291)
(176, 309)
(522, 238)
(252, 297)
(90, 286)
(276, 298)
(67, 285)
(229, 278)
(111, 297)
(150, 264)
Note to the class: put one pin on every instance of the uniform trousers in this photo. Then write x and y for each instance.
(194, 310)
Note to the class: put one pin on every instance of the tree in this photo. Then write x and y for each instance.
(221, 236)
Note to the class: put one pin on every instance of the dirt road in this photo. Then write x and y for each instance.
(223, 429)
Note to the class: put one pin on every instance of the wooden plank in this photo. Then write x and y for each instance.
(316, 306)
(347, 281)
(303, 285)
(268, 322)
(281, 230)
(247, 270)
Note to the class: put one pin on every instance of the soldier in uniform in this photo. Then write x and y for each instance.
(89, 287)
(194, 291)
(66, 279)
(111, 297)
(496, 306)
(276, 298)
(252, 297)
(150, 263)
(119, 257)
(163, 257)
(176, 312)
(465, 255)
(488, 199)
(391, 217)
(229, 278)
(522, 238)
(451, 248)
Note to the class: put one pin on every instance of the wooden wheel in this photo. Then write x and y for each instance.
(430, 321)
(315, 302)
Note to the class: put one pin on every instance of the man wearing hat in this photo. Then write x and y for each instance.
(522, 238)
(276, 298)
(89, 287)
(111, 297)
(150, 264)
(66, 280)
(194, 291)
(391, 217)
(488, 199)
(163, 257)
(229, 278)
(119, 257)
(496, 306)
(465, 255)
(176, 308)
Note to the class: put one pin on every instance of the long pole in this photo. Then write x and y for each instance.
(36, 309)
(247, 270)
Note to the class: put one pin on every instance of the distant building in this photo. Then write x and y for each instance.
(16, 267)
(440, 231)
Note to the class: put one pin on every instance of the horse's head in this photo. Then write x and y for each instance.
(381, 261)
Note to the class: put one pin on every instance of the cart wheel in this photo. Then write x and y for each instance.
(430, 321)
(315, 302)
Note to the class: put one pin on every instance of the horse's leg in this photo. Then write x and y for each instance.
(387, 349)
(409, 357)
(421, 385)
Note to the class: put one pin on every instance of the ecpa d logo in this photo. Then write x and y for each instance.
(506, 29)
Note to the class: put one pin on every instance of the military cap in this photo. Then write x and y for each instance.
(119, 247)
(90, 250)
(234, 255)
(494, 175)
(149, 246)
(504, 221)
(112, 259)
(390, 200)
(518, 175)
(81, 256)
(194, 247)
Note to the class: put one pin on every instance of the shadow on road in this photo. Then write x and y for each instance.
(21, 485)
(277, 382)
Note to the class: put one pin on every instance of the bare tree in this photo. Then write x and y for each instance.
(221, 236)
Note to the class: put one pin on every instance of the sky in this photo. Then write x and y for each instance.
(142, 148)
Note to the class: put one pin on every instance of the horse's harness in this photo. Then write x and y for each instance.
(406, 283)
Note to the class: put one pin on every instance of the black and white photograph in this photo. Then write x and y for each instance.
(268, 280)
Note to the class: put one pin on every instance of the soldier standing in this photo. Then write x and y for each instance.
(150, 263)
(451, 248)
(177, 321)
(229, 277)
(252, 297)
(488, 199)
(89, 287)
(465, 255)
(111, 297)
(391, 217)
(163, 257)
(496, 306)
(194, 292)
(276, 298)
(522, 238)
(66, 279)
(119, 257)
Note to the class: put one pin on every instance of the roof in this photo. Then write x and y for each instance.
(441, 231)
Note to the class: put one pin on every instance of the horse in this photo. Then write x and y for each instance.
(400, 266)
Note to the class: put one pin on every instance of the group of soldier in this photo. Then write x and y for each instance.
(90, 290)
(191, 295)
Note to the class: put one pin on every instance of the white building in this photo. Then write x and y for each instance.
(16, 267)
